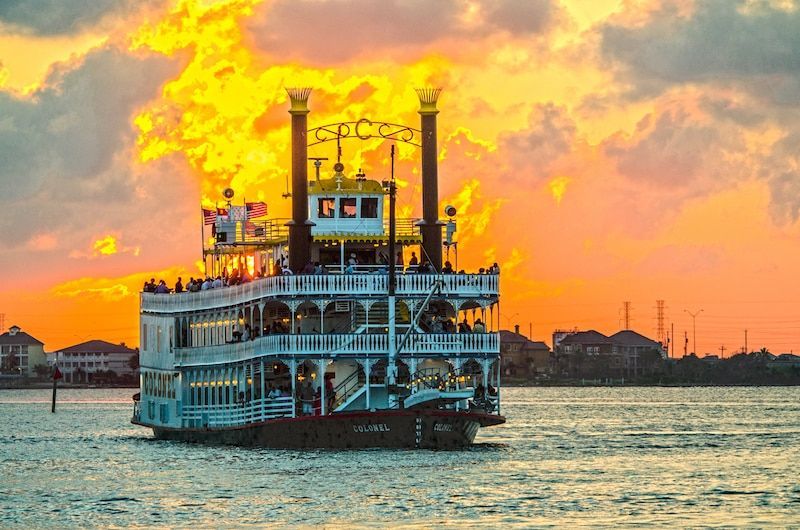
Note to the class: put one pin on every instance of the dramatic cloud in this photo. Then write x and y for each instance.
(54, 17)
(751, 45)
(66, 137)
(324, 32)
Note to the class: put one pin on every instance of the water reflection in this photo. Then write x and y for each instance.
(569, 457)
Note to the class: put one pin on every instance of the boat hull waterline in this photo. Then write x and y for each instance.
(411, 429)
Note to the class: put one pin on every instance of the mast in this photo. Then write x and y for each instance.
(391, 365)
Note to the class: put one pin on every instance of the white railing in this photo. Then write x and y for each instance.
(253, 411)
(354, 285)
(339, 344)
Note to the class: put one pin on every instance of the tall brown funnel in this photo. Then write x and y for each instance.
(430, 227)
(299, 226)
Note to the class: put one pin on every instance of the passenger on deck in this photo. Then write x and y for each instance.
(246, 333)
(274, 393)
(448, 326)
(448, 268)
(162, 288)
(318, 401)
(413, 261)
(277, 270)
(206, 284)
(179, 285)
(286, 271)
(308, 269)
(349, 269)
(399, 260)
(307, 398)
(480, 392)
(464, 327)
(478, 327)
(330, 394)
(494, 269)
(217, 283)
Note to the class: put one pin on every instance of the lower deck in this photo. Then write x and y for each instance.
(261, 389)
(421, 429)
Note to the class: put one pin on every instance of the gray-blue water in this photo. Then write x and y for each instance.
(566, 457)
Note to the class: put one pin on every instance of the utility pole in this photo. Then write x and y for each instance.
(722, 351)
(745, 342)
(672, 340)
(694, 328)
(685, 342)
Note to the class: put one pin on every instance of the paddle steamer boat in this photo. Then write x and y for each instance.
(361, 352)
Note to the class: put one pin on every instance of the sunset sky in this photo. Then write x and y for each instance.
(601, 151)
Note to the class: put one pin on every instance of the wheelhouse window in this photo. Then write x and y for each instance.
(347, 208)
(326, 208)
(369, 208)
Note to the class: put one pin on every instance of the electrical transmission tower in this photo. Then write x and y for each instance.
(626, 312)
(660, 331)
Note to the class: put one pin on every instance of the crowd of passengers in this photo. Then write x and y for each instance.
(239, 277)
(430, 324)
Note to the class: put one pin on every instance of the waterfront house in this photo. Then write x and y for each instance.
(593, 354)
(522, 357)
(91, 362)
(20, 353)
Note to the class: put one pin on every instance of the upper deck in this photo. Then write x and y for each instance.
(328, 285)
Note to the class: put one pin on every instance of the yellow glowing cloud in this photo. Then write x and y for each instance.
(558, 186)
(105, 246)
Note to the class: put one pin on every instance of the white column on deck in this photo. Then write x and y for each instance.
(367, 370)
(261, 383)
(293, 373)
(497, 386)
(321, 371)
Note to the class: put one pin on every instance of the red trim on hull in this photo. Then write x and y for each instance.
(426, 428)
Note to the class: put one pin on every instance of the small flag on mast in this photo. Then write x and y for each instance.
(209, 216)
(57, 374)
(256, 209)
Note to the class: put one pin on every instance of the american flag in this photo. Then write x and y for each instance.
(254, 230)
(209, 216)
(256, 209)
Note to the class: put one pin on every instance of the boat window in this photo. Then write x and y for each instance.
(327, 205)
(369, 208)
(347, 208)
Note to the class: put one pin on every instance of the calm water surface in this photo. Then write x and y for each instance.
(567, 457)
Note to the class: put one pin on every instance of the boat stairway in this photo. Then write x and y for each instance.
(433, 397)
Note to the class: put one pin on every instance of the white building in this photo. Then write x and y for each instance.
(80, 362)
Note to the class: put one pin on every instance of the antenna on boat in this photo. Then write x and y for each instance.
(318, 164)
(286, 194)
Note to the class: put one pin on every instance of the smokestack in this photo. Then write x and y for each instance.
(299, 226)
(430, 227)
(516, 329)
